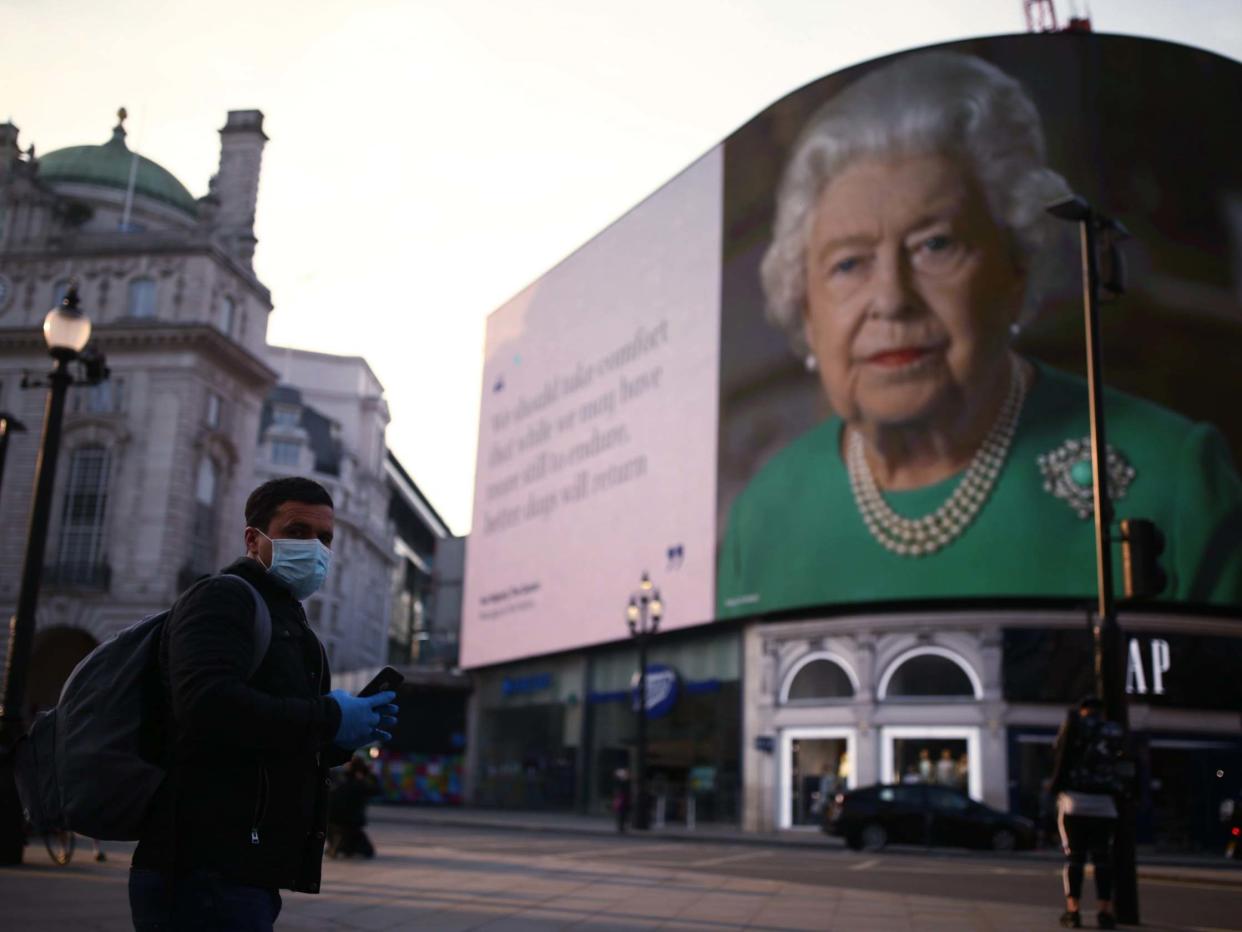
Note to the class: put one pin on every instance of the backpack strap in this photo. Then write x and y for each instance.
(262, 625)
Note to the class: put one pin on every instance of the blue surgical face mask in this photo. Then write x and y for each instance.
(300, 566)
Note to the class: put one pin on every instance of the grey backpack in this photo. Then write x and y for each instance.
(90, 765)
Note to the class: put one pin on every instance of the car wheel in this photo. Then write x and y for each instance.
(874, 837)
(1003, 840)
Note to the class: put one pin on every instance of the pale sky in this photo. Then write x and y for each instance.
(430, 158)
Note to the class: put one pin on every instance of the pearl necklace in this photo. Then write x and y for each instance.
(923, 536)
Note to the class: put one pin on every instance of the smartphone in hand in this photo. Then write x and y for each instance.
(387, 679)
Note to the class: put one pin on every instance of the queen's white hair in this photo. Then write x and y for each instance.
(930, 102)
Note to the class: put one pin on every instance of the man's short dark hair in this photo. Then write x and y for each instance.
(266, 500)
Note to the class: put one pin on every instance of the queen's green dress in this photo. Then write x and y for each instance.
(795, 537)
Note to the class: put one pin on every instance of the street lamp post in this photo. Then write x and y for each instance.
(67, 331)
(1109, 651)
(643, 617)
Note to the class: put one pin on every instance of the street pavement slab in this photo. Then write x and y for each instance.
(452, 879)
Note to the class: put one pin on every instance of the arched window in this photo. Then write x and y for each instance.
(80, 550)
(820, 677)
(203, 526)
(930, 673)
(142, 297)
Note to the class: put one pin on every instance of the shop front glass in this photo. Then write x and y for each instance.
(526, 763)
(1181, 777)
(693, 745)
(942, 761)
(1182, 780)
(529, 733)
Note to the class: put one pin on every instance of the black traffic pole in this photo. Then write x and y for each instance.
(1108, 641)
(643, 615)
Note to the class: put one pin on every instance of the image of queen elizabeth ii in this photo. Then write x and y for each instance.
(909, 244)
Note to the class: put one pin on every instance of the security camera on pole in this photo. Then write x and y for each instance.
(643, 617)
(67, 331)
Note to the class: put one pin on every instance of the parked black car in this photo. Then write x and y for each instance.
(919, 814)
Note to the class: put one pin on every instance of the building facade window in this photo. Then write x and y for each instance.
(820, 677)
(947, 756)
(106, 397)
(286, 415)
(930, 673)
(227, 312)
(214, 405)
(285, 453)
(80, 549)
(142, 297)
(203, 525)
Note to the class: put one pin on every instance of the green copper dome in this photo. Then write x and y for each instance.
(109, 165)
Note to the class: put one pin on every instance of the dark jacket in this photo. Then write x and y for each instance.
(347, 807)
(1086, 756)
(247, 789)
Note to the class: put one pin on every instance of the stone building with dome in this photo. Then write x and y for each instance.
(157, 461)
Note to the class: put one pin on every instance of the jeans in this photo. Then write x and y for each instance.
(199, 901)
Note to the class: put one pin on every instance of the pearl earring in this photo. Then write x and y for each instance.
(811, 362)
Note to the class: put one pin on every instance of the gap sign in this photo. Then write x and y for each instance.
(1177, 669)
(1137, 682)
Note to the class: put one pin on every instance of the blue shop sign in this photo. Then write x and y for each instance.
(662, 689)
(523, 685)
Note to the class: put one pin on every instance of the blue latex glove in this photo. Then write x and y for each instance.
(363, 720)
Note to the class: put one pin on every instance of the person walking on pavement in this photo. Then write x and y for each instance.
(1085, 782)
(242, 812)
(347, 811)
(621, 799)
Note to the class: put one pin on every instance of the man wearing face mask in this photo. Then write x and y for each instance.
(243, 811)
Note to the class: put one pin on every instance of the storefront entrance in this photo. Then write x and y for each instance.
(817, 763)
(1189, 777)
(1182, 780)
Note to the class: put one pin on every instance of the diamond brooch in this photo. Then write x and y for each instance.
(1067, 475)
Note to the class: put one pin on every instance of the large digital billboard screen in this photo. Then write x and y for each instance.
(871, 390)
(597, 434)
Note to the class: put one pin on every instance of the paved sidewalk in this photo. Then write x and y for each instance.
(449, 879)
(437, 888)
(1151, 866)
